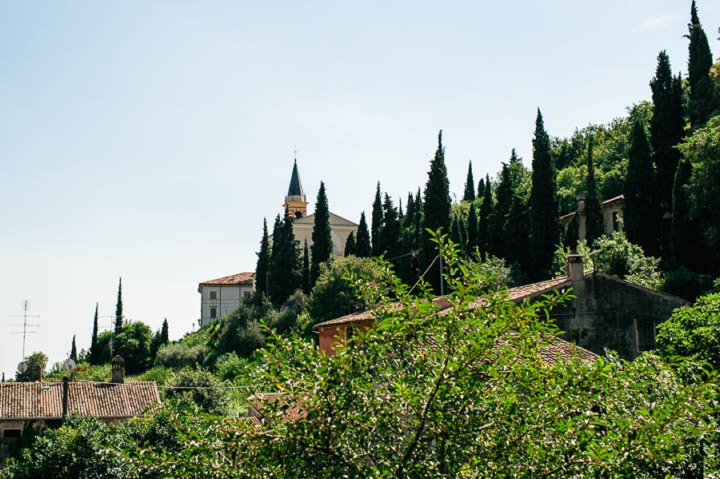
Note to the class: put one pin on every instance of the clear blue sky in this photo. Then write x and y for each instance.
(149, 139)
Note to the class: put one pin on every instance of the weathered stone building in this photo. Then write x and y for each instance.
(612, 211)
(606, 312)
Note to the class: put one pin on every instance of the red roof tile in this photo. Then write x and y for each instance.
(235, 279)
(43, 400)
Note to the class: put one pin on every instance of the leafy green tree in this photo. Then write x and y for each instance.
(133, 344)
(640, 212)
(544, 211)
(73, 350)
(305, 273)
(284, 262)
(702, 150)
(119, 317)
(703, 96)
(334, 294)
(263, 263)
(350, 244)
(36, 364)
(486, 211)
(362, 245)
(666, 128)
(376, 222)
(94, 356)
(469, 194)
(466, 393)
(322, 245)
(693, 331)
(594, 223)
(180, 355)
(436, 212)
(201, 387)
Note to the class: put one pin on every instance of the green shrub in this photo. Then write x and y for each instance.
(201, 387)
(179, 355)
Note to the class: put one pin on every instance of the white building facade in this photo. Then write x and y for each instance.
(221, 296)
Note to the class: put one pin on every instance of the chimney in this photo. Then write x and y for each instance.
(118, 370)
(575, 267)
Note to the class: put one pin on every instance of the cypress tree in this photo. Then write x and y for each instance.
(703, 97)
(284, 262)
(305, 278)
(684, 237)
(94, 355)
(263, 263)
(362, 244)
(391, 230)
(518, 233)
(503, 200)
(322, 245)
(485, 214)
(350, 244)
(164, 332)
(456, 233)
(73, 350)
(480, 188)
(640, 211)
(472, 231)
(376, 222)
(119, 310)
(436, 211)
(666, 129)
(594, 224)
(545, 224)
(469, 194)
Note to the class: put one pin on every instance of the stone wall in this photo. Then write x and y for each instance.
(614, 314)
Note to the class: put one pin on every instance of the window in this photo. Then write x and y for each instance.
(645, 328)
(246, 294)
(11, 435)
(213, 294)
(213, 313)
(616, 221)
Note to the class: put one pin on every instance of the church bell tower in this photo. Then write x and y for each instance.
(295, 201)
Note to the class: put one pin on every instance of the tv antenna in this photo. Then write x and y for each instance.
(25, 325)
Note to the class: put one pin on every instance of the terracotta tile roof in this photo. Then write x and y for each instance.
(277, 404)
(234, 279)
(43, 400)
(514, 294)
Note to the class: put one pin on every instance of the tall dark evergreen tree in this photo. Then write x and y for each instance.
(321, 249)
(457, 233)
(390, 240)
(545, 223)
(520, 247)
(73, 350)
(666, 129)
(305, 274)
(481, 188)
(350, 244)
(503, 200)
(469, 194)
(436, 212)
(164, 332)
(376, 222)
(94, 356)
(473, 231)
(362, 244)
(684, 236)
(594, 224)
(119, 317)
(703, 97)
(485, 214)
(263, 263)
(284, 262)
(641, 212)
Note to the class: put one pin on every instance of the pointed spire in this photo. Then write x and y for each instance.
(295, 188)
